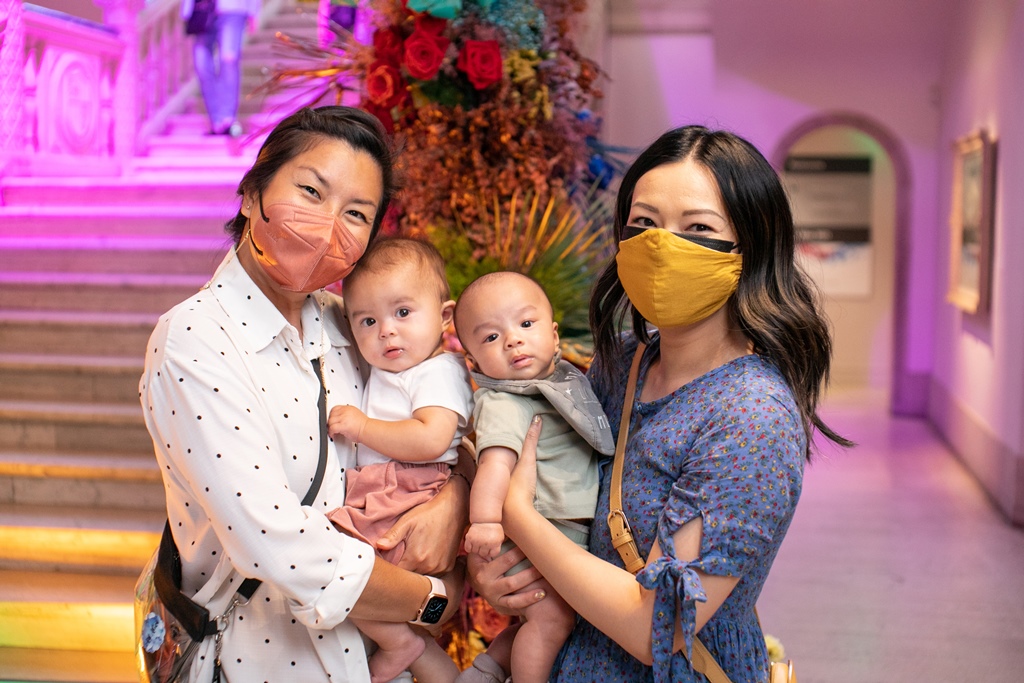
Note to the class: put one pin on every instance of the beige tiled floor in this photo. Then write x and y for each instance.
(897, 568)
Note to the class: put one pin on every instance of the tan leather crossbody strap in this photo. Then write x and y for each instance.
(622, 535)
(703, 662)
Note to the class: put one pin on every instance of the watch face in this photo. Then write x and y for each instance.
(434, 609)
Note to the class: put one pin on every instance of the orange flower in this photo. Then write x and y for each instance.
(488, 622)
(384, 85)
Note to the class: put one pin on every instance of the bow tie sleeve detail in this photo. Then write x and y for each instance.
(676, 585)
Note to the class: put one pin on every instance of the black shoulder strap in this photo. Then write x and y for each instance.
(167, 574)
(321, 466)
(249, 586)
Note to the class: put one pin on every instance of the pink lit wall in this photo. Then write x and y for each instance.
(765, 69)
(977, 397)
(919, 72)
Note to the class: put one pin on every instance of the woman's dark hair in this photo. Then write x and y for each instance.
(775, 304)
(299, 133)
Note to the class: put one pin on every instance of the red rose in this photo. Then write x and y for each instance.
(481, 60)
(431, 25)
(383, 115)
(384, 85)
(387, 45)
(424, 53)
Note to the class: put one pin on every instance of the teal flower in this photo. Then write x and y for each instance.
(443, 9)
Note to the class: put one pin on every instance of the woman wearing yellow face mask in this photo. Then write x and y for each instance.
(731, 354)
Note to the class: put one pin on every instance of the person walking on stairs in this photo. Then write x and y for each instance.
(218, 26)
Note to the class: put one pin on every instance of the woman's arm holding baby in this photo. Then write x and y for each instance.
(432, 532)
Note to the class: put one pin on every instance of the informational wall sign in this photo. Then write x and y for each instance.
(831, 201)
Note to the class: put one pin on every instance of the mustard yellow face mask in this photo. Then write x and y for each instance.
(673, 280)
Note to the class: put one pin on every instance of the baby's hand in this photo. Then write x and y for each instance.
(484, 539)
(346, 421)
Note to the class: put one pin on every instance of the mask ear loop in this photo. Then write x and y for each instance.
(248, 223)
(245, 233)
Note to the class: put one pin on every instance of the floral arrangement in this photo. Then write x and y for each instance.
(488, 97)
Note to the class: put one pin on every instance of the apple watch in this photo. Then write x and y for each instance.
(433, 605)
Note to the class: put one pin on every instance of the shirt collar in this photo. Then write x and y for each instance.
(258, 319)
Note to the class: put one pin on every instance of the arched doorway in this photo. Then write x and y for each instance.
(870, 331)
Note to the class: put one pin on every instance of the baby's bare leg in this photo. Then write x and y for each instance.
(500, 650)
(398, 646)
(434, 665)
(548, 624)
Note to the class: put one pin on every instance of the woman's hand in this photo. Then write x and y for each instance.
(507, 594)
(432, 532)
(522, 490)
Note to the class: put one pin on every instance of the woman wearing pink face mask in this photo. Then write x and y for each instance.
(230, 393)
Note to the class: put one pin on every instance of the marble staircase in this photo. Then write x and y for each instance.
(87, 264)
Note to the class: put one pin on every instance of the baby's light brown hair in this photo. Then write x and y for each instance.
(390, 252)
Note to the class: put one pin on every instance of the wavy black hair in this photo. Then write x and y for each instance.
(775, 305)
(299, 133)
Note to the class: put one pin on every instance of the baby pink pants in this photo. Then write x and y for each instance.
(377, 495)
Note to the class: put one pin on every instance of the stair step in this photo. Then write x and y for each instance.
(66, 611)
(87, 465)
(70, 333)
(297, 19)
(67, 666)
(262, 59)
(185, 219)
(240, 152)
(120, 292)
(81, 479)
(73, 379)
(197, 123)
(166, 158)
(112, 254)
(93, 428)
(194, 186)
(87, 539)
(282, 105)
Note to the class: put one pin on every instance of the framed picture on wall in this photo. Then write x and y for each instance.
(970, 273)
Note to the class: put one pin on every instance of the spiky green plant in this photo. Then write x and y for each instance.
(560, 242)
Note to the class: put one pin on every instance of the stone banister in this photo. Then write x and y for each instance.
(165, 75)
(78, 97)
(70, 73)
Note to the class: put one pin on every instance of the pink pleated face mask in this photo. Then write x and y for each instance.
(303, 250)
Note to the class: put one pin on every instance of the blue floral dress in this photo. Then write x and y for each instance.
(728, 446)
